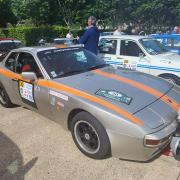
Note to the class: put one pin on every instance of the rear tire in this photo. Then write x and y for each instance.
(90, 136)
(4, 98)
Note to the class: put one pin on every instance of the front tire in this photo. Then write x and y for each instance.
(90, 136)
(4, 98)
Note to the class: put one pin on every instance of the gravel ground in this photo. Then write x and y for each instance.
(35, 148)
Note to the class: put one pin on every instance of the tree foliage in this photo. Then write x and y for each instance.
(108, 12)
(6, 13)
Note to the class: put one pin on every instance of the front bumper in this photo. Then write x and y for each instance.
(132, 148)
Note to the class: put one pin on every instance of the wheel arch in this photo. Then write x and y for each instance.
(170, 75)
(167, 75)
(72, 114)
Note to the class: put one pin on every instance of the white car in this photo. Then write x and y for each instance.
(66, 41)
(7, 44)
(140, 53)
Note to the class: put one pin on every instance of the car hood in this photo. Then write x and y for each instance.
(168, 57)
(128, 85)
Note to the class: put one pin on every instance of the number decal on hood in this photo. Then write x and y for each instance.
(111, 94)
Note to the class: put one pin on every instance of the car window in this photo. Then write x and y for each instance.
(66, 62)
(130, 48)
(11, 61)
(7, 46)
(27, 63)
(107, 46)
(153, 46)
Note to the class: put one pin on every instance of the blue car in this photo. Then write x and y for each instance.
(172, 42)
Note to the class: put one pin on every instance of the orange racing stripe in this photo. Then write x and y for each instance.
(169, 101)
(10, 74)
(82, 94)
(61, 87)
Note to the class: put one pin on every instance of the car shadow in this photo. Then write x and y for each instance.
(11, 160)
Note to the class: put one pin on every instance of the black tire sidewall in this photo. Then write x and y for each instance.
(104, 150)
(172, 77)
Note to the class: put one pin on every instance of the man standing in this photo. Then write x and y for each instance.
(90, 37)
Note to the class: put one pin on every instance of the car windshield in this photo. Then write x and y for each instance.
(7, 46)
(153, 46)
(65, 62)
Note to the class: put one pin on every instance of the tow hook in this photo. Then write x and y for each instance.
(175, 147)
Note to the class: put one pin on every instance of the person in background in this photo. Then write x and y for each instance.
(119, 31)
(90, 37)
(135, 30)
(176, 30)
(69, 35)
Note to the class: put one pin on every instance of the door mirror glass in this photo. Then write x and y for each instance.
(31, 76)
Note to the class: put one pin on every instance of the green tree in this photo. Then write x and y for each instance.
(6, 13)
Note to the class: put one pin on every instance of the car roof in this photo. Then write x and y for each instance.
(8, 41)
(61, 39)
(42, 48)
(133, 37)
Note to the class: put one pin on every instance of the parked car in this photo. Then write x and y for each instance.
(65, 41)
(109, 111)
(172, 41)
(7, 44)
(106, 33)
(141, 53)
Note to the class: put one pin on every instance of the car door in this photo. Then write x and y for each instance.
(11, 77)
(32, 96)
(133, 56)
(108, 49)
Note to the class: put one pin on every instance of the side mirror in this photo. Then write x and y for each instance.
(31, 76)
(141, 55)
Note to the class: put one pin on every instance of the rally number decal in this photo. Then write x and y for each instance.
(26, 91)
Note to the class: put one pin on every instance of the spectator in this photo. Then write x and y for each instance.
(119, 31)
(137, 31)
(134, 32)
(69, 35)
(176, 30)
(90, 37)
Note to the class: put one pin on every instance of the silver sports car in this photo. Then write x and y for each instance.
(110, 112)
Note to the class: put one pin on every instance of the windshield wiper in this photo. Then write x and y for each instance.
(70, 73)
(98, 66)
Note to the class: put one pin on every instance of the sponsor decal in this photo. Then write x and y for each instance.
(53, 74)
(26, 91)
(115, 95)
(125, 61)
(59, 95)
